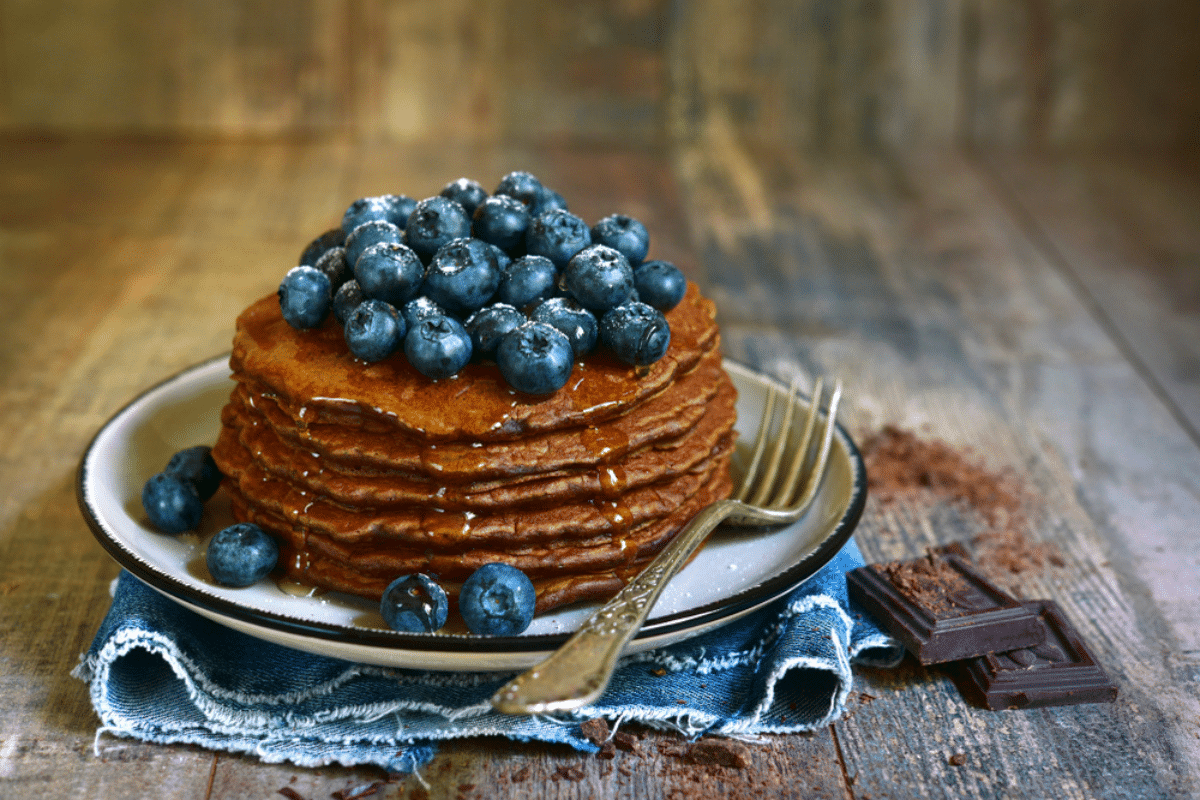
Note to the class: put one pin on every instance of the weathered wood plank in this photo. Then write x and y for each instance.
(1127, 231)
(913, 282)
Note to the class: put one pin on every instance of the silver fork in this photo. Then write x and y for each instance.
(578, 672)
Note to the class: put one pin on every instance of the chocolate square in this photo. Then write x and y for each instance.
(942, 609)
(1060, 671)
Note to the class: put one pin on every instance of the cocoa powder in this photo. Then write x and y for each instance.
(901, 465)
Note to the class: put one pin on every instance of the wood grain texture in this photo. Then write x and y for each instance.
(939, 286)
(827, 76)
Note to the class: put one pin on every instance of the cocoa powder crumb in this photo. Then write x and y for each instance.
(570, 772)
(291, 794)
(900, 464)
(721, 752)
(608, 751)
(595, 730)
(626, 741)
(521, 775)
(958, 759)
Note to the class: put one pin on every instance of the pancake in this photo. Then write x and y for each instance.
(366, 472)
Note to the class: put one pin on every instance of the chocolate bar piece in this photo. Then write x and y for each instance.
(1058, 672)
(942, 609)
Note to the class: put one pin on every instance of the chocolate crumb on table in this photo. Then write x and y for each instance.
(625, 741)
(721, 752)
(900, 464)
(595, 730)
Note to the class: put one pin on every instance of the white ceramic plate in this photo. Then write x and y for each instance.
(736, 572)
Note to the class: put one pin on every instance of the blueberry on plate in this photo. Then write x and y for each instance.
(636, 333)
(374, 330)
(389, 272)
(346, 299)
(467, 193)
(660, 284)
(414, 604)
(599, 277)
(196, 466)
(576, 322)
(547, 200)
(557, 235)
(497, 600)
(317, 247)
(335, 267)
(488, 326)
(434, 222)
(241, 555)
(528, 280)
(463, 276)
(535, 358)
(418, 309)
(305, 297)
(501, 220)
(171, 503)
(393, 208)
(503, 259)
(364, 209)
(438, 347)
(521, 185)
(624, 234)
(374, 232)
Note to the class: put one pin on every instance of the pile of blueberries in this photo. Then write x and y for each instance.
(513, 278)
(496, 600)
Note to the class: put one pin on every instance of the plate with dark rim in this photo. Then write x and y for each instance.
(735, 573)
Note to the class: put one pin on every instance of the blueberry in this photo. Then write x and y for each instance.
(346, 299)
(660, 284)
(528, 280)
(390, 272)
(521, 185)
(331, 238)
(400, 208)
(414, 604)
(334, 265)
(393, 208)
(241, 555)
(497, 600)
(463, 276)
(557, 235)
(547, 200)
(535, 358)
(503, 259)
(171, 503)
(374, 330)
(418, 309)
(636, 333)
(374, 232)
(624, 234)
(488, 326)
(599, 277)
(305, 297)
(467, 193)
(576, 322)
(501, 220)
(196, 466)
(438, 347)
(434, 222)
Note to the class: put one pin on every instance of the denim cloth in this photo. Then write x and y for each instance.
(161, 673)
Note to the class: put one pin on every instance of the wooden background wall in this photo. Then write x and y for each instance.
(824, 74)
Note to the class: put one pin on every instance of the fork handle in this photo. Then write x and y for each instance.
(579, 671)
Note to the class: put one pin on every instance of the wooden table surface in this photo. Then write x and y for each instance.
(1042, 312)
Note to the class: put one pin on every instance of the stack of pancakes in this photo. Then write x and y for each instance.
(366, 472)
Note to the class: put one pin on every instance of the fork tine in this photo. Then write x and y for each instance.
(787, 487)
(818, 470)
(760, 444)
(767, 483)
